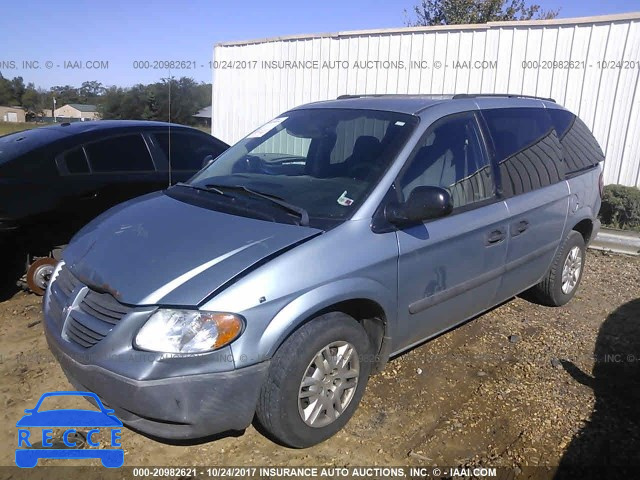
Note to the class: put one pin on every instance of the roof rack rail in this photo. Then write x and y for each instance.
(360, 95)
(508, 95)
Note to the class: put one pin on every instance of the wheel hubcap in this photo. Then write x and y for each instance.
(42, 276)
(328, 384)
(571, 270)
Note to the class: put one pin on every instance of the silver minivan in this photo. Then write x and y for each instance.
(275, 281)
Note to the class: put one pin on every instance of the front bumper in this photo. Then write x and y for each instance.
(184, 407)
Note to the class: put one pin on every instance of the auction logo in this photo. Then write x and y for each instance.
(27, 455)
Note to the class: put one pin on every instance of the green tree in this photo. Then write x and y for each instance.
(150, 109)
(65, 94)
(6, 92)
(90, 92)
(455, 12)
(32, 101)
(187, 97)
(18, 88)
(110, 106)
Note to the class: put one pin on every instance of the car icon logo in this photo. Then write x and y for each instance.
(111, 455)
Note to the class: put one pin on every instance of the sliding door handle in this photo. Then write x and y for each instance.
(519, 228)
(495, 236)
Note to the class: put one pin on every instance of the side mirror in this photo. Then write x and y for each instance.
(424, 203)
(208, 160)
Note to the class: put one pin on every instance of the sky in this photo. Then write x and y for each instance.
(46, 42)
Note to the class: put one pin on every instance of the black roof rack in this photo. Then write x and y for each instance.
(508, 95)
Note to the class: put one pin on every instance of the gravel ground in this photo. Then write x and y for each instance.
(520, 386)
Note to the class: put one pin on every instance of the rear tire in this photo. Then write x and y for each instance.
(315, 381)
(563, 279)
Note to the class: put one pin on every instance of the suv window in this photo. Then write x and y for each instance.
(127, 153)
(451, 155)
(526, 148)
(188, 151)
(580, 149)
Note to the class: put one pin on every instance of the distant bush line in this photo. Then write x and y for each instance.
(621, 207)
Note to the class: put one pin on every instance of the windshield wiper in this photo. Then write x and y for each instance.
(304, 215)
(195, 187)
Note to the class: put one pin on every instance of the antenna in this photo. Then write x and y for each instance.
(169, 127)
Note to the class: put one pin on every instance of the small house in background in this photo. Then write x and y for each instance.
(12, 114)
(77, 111)
(204, 116)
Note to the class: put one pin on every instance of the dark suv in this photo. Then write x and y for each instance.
(55, 179)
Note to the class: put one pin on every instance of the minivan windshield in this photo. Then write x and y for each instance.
(319, 164)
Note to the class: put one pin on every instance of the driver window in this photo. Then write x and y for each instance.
(450, 155)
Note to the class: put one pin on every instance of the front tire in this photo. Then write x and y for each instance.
(563, 279)
(316, 380)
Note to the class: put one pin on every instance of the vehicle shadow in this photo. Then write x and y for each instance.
(12, 260)
(610, 441)
(189, 442)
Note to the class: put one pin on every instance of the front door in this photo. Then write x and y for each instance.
(450, 268)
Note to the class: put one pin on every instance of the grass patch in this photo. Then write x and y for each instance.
(12, 127)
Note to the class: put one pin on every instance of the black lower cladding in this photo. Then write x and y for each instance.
(187, 407)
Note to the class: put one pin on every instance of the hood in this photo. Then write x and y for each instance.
(158, 250)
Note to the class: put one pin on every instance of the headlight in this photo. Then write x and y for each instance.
(188, 331)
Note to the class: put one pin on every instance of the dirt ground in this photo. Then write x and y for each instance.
(522, 385)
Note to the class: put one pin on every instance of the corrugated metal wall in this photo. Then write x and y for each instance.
(601, 85)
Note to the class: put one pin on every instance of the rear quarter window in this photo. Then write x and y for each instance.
(580, 148)
(526, 148)
(73, 162)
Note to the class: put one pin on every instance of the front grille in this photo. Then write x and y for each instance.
(92, 319)
(61, 288)
(96, 316)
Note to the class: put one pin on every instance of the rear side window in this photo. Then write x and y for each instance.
(580, 148)
(75, 161)
(127, 153)
(188, 151)
(526, 148)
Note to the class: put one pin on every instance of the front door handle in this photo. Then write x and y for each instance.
(89, 196)
(495, 236)
(519, 228)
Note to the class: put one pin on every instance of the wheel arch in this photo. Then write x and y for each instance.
(585, 228)
(367, 301)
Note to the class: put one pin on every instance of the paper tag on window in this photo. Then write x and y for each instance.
(344, 200)
(260, 131)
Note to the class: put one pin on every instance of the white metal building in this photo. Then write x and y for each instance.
(590, 65)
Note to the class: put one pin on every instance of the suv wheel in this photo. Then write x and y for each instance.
(563, 279)
(316, 380)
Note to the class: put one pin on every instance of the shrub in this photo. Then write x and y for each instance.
(621, 207)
